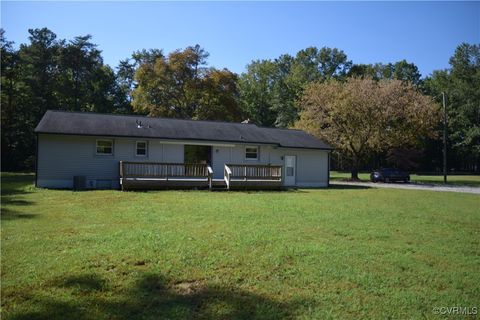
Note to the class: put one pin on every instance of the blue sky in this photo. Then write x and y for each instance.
(234, 33)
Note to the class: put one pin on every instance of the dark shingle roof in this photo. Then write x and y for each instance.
(95, 124)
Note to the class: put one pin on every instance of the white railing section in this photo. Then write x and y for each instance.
(163, 170)
(210, 177)
(255, 172)
(252, 172)
(227, 174)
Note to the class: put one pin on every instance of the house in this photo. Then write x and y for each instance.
(104, 151)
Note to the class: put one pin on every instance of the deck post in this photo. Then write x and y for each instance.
(210, 176)
(121, 175)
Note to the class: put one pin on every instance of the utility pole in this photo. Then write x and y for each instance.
(444, 139)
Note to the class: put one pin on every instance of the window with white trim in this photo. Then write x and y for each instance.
(141, 148)
(251, 153)
(104, 147)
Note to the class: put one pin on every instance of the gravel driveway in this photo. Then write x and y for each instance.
(411, 186)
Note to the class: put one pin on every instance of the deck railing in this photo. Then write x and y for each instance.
(249, 172)
(156, 170)
(227, 173)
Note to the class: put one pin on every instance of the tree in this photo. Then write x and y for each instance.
(127, 68)
(257, 92)
(285, 92)
(13, 111)
(219, 99)
(408, 72)
(312, 64)
(401, 70)
(39, 72)
(269, 89)
(360, 117)
(85, 83)
(181, 86)
(461, 85)
(48, 73)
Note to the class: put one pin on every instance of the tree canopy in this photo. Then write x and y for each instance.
(181, 86)
(48, 73)
(69, 74)
(270, 88)
(361, 117)
(461, 84)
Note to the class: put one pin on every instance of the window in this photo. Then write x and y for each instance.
(105, 147)
(251, 153)
(141, 148)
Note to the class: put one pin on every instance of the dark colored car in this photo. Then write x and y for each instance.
(389, 175)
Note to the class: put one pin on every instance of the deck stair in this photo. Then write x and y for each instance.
(219, 185)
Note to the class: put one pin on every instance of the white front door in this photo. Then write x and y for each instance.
(290, 170)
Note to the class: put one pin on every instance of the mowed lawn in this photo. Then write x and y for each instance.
(339, 253)
(465, 180)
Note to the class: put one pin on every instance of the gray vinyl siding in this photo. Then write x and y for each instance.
(61, 157)
(311, 165)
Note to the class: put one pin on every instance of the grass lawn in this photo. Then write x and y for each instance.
(339, 253)
(473, 181)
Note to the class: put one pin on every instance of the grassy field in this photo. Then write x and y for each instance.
(341, 253)
(473, 181)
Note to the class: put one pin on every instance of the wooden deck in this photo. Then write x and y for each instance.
(152, 175)
(243, 176)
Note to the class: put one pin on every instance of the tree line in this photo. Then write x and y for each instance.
(373, 114)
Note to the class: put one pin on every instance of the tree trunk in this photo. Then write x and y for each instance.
(354, 171)
(354, 174)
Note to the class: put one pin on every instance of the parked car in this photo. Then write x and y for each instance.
(389, 175)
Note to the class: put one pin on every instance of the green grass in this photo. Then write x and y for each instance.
(341, 253)
(466, 180)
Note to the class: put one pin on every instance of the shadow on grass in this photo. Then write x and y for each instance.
(152, 296)
(347, 186)
(8, 214)
(14, 185)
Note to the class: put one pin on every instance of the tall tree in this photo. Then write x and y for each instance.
(257, 92)
(219, 98)
(360, 117)
(48, 73)
(285, 92)
(181, 86)
(39, 70)
(461, 85)
(401, 70)
(269, 89)
(85, 83)
(313, 64)
(127, 68)
(14, 111)
(408, 72)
